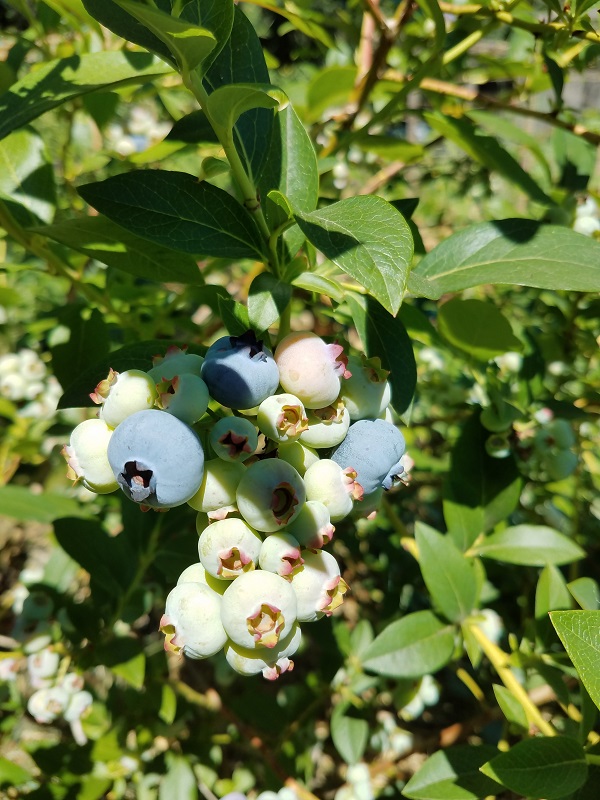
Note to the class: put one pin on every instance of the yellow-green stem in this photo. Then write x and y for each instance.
(499, 660)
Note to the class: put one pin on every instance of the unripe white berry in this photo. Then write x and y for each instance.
(298, 455)
(271, 662)
(196, 573)
(228, 548)
(282, 418)
(87, 459)
(192, 621)
(259, 610)
(327, 427)
(122, 394)
(185, 396)
(270, 495)
(333, 486)
(79, 706)
(217, 492)
(312, 527)
(367, 392)
(318, 586)
(46, 705)
(280, 553)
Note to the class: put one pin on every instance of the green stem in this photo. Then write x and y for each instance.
(249, 192)
(500, 661)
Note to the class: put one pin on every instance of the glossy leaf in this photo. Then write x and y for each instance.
(543, 767)
(104, 241)
(268, 297)
(292, 170)
(416, 645)
(367, 239)
(26, 176)
(53, 83)
(132, 356)
(477, 327)
(242, 61)
(578, 631)
(516, 251)
(448, 574)
(530, 545)
(214, 15)
(453, 774)
(586, 592)
(385, 336)
(189, 43)
(193, 128)
(349, 735)
(175, 210)
(227, 103)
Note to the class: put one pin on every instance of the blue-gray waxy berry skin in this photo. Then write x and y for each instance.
(240, 371)
(373, 447)
(157, 459)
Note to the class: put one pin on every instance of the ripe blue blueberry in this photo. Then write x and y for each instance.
(157, 460)
(240, 371)
(373, 448)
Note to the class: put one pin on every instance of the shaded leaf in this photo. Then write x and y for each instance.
(453, 774)
(26, 176)
(268, 297)
(477, 327)
(22, 504)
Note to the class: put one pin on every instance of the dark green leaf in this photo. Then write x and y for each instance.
(108, 559)
(578, 631)
(242, 61)
(88, 342)
(227, 103)
(587, 593)
(418, 644)
(349, 735)
(26, 175)
(514, 251)
(453, 774)
(125, 657)
(448, 574)
(123, 24)
(544, 767)
(385, 336)
(551, 594)
(103, 240)
(132, 356)
(214, 15)
(168, 704)
(188, 43)
(193, 128)
(268, 297)
(22, 504)
(477, 327)
(57, 81)
(530, 545)
(486, 150)
(175, 210)
(369, 240)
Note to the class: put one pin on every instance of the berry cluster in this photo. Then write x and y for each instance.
(286, 444)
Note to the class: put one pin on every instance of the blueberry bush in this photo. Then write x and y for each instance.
(299, 371)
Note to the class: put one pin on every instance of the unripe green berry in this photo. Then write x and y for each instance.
(270, 494)
(233, 438)
(299, 455)
(312, 527)
(327, 427)
(217, 493)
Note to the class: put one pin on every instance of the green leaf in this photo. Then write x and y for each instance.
(530, 545)
(192, 129)
(268, 298)
(242, 61)
(175, 210)
(108, 559)
(586, 592)
(22, 504)
(448, 574)
(477, 327)
(544, 767)
(227, 103)
(311, 282)
(330, 87)
(292, 170)
(464, 523)
(453, 774)
(53, 83)
(511, 707)
(579, 633)
(116, 19)
(188, 43)
(214, 15)
(391, 148)
(168, 704)
(551, 594)
(486, 150)
(12, 774)
(26, 176)
(126, 659)
(180, 781)
(104, 241)
(88, 342)
(349, 735)
(416, 645)
(385, 336)
(367, 239)
(478, 481)
(516, 251)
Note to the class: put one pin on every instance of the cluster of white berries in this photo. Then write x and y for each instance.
(25, 381)
(587, 218)
(299, 437)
